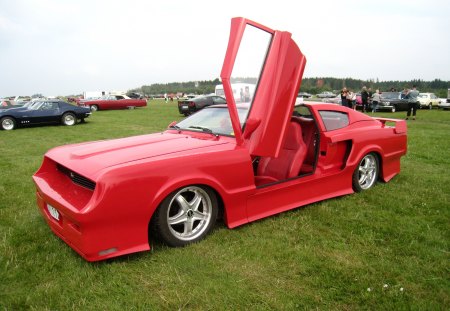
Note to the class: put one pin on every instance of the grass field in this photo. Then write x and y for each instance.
(384, 249)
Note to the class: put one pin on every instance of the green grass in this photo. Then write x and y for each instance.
(323, 256)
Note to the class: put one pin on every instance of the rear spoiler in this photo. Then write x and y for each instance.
(399, 125)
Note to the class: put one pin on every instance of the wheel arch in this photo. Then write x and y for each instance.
(206, 183)
(9, 116)
(377, 151)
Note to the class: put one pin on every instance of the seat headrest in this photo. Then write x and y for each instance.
(294, 136)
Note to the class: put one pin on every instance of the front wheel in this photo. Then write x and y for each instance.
(94, 108)
(430, 106)
(393, 109)
(69, 119)
(8, 123)
(366, 174)
(186, 215)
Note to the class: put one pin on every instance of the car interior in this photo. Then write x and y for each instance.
(297, 156)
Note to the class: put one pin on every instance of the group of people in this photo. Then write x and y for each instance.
(348, 98)
(369, 99)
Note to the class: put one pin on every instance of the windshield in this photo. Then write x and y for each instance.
(215, 120)
(35, 105)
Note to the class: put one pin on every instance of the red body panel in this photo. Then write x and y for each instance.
(278, 85)
(105, 193)
(115, 104)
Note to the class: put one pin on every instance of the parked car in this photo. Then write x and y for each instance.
(444, 104)
(326, 95)
(191, 105)
(392, 101)
(428, 100)
(247, 161)
(6, 103)
(333, 100)
(109, 102)
(39, 112)
(135, 95)
(304, 95)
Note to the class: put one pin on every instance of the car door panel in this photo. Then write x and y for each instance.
(277, 83)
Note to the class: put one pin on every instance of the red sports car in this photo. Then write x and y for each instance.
(112, 102)
(243, 162)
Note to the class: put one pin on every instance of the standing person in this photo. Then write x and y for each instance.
(353, 100)
(412, 102)
(376, 98)
(364, 99)
(344, 94)
(404, 93)
(247, 94)
(166, 99)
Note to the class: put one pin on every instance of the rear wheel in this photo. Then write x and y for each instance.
(186, 215)
(8, 123)
(366, 173)
(69, 119)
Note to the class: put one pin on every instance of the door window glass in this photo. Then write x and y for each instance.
(249, 62)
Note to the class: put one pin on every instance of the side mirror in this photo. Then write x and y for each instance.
(172, 124)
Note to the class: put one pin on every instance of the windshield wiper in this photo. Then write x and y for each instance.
(204, 129)
(175, 127)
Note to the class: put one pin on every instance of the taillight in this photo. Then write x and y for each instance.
(191, 104)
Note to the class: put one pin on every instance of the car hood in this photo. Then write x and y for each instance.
(88, 159)
(8, 110)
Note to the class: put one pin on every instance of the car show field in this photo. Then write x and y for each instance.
(386, 248)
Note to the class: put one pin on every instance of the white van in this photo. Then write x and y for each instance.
(242, 92)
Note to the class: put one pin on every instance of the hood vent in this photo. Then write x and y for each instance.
(76, 178)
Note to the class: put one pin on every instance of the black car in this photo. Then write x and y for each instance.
(38, 112)
(189, 106)
(392, 101)
(135, 95)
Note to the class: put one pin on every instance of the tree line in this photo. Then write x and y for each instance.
(318, 85)
(311, 85)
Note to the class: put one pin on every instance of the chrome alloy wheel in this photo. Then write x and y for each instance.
(69, 119)
(8, 124)
(189, 213)
(367, 171)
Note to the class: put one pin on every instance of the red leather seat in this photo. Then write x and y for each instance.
(289, 161)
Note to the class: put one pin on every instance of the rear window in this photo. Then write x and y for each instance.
(334, 120)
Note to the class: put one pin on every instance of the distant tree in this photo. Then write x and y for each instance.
(310, 85)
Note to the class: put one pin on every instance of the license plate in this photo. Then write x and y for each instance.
(184, 107)
(53, 212)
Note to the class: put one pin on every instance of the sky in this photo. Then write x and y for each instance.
(65, 47)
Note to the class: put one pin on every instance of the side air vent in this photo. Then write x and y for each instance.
(76, 178)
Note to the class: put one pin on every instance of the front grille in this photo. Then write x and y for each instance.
(76, 178)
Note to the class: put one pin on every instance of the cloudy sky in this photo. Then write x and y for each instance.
(63, 47)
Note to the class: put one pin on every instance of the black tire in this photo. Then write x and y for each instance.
(69, 119)
(394, 109)
(94, 108)
(186, 216)
(366, 173)
(430, 106)
(8, 123)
